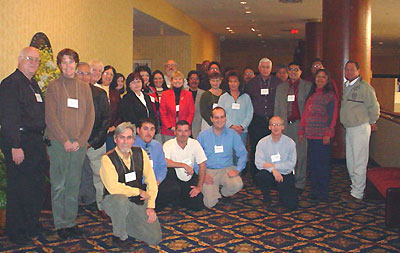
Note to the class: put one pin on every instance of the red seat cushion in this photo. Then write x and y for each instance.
(384, 178)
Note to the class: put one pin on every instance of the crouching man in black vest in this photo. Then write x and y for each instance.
(128, 199)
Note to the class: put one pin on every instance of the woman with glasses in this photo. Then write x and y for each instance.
(136, 105)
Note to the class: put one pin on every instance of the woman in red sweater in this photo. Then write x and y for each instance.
(318, 126)
(176, 104)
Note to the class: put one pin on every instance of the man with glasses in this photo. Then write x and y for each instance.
(316, 65)
(91, 188)
(171, 67)
(289, 104)
(21, 141)
(275, 159)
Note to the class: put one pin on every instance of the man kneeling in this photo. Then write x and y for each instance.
(128, 201)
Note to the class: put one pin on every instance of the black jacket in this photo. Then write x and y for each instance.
(132, 110)
(19, 108)
(102, 117)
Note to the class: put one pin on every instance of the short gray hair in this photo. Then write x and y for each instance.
(265, 59)
(122, 127)
(96, 62)
(83, 64)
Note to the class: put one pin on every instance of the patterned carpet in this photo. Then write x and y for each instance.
(247, 225)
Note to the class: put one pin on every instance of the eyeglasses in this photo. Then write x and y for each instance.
(83, 73)
(170, 65)
(276, 124)
(317, 66)
(31, 59)
(214, 68)
(294, 69)
(194, 78)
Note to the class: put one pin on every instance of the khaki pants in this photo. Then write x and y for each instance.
(130, 219)
(230, 185)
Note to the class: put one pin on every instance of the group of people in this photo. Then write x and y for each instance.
(128, 148)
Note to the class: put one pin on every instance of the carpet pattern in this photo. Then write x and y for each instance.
(246, 225)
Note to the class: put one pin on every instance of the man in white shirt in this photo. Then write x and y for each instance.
(189, 160)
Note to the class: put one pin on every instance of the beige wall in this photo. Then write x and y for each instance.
(94, 28)
(161, 48)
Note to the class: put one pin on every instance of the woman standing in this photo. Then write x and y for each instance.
(238, 107)
(69, 119)
(135, 105)
(176, 104)
(318, 126)
(108, 82)
(121, 84)
(157, 82)
(209, 99)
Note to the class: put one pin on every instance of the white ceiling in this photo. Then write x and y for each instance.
(274, 19)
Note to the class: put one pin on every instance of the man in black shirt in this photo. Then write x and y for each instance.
(21, 140)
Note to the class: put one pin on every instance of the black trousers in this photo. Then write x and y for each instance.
(176, 192)
(25, 185)
(258, 129)
(287, 191)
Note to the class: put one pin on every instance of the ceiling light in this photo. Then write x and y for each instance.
(232, 32)
(243, 2)
(228, 28)
(247, 12)
(253, 29)
(259, 35)
(380, 43)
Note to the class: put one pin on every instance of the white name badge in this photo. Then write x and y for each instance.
(215, 105)
(218, 149)
(264, 91)
(130, 177)
(152, 99)
(291, 98)
(38, 98)
(275, 158)
(236, 106)
(159, 100)
(72, 102)
(177, 108)
(151, 163)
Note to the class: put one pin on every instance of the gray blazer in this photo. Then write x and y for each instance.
(281, 98)
(196, 125)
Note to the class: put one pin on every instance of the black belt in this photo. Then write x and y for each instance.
(31, 131)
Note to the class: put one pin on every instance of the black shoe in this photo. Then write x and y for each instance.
(63, 233)
(20, 239)
(226, 199)
(123, 245)
(40, 231)
(314, 198)
(75, 231)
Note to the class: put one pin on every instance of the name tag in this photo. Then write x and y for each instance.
(152, 99)
(291, 98)
(275, 158)
(177, 108)
(264, 91)
(38, 98)
(215, 105)
(218, 149)
(151, 163)
(236, 106)
(159, 100)
(72, 103)
(130, 177)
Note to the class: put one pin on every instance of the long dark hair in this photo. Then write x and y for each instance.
(113, 84)
(164, 84)
(118, 75)
(328, 87)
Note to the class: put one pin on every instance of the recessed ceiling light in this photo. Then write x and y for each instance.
(227, 28)
(248, 12)
(380, 43)
(232, 32)
(259, 35)
(253, 29)
(243, 2)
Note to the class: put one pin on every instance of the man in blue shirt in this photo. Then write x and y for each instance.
(275, 159)
(220, 143)
(167, 188)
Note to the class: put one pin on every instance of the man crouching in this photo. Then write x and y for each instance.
(128, 201)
